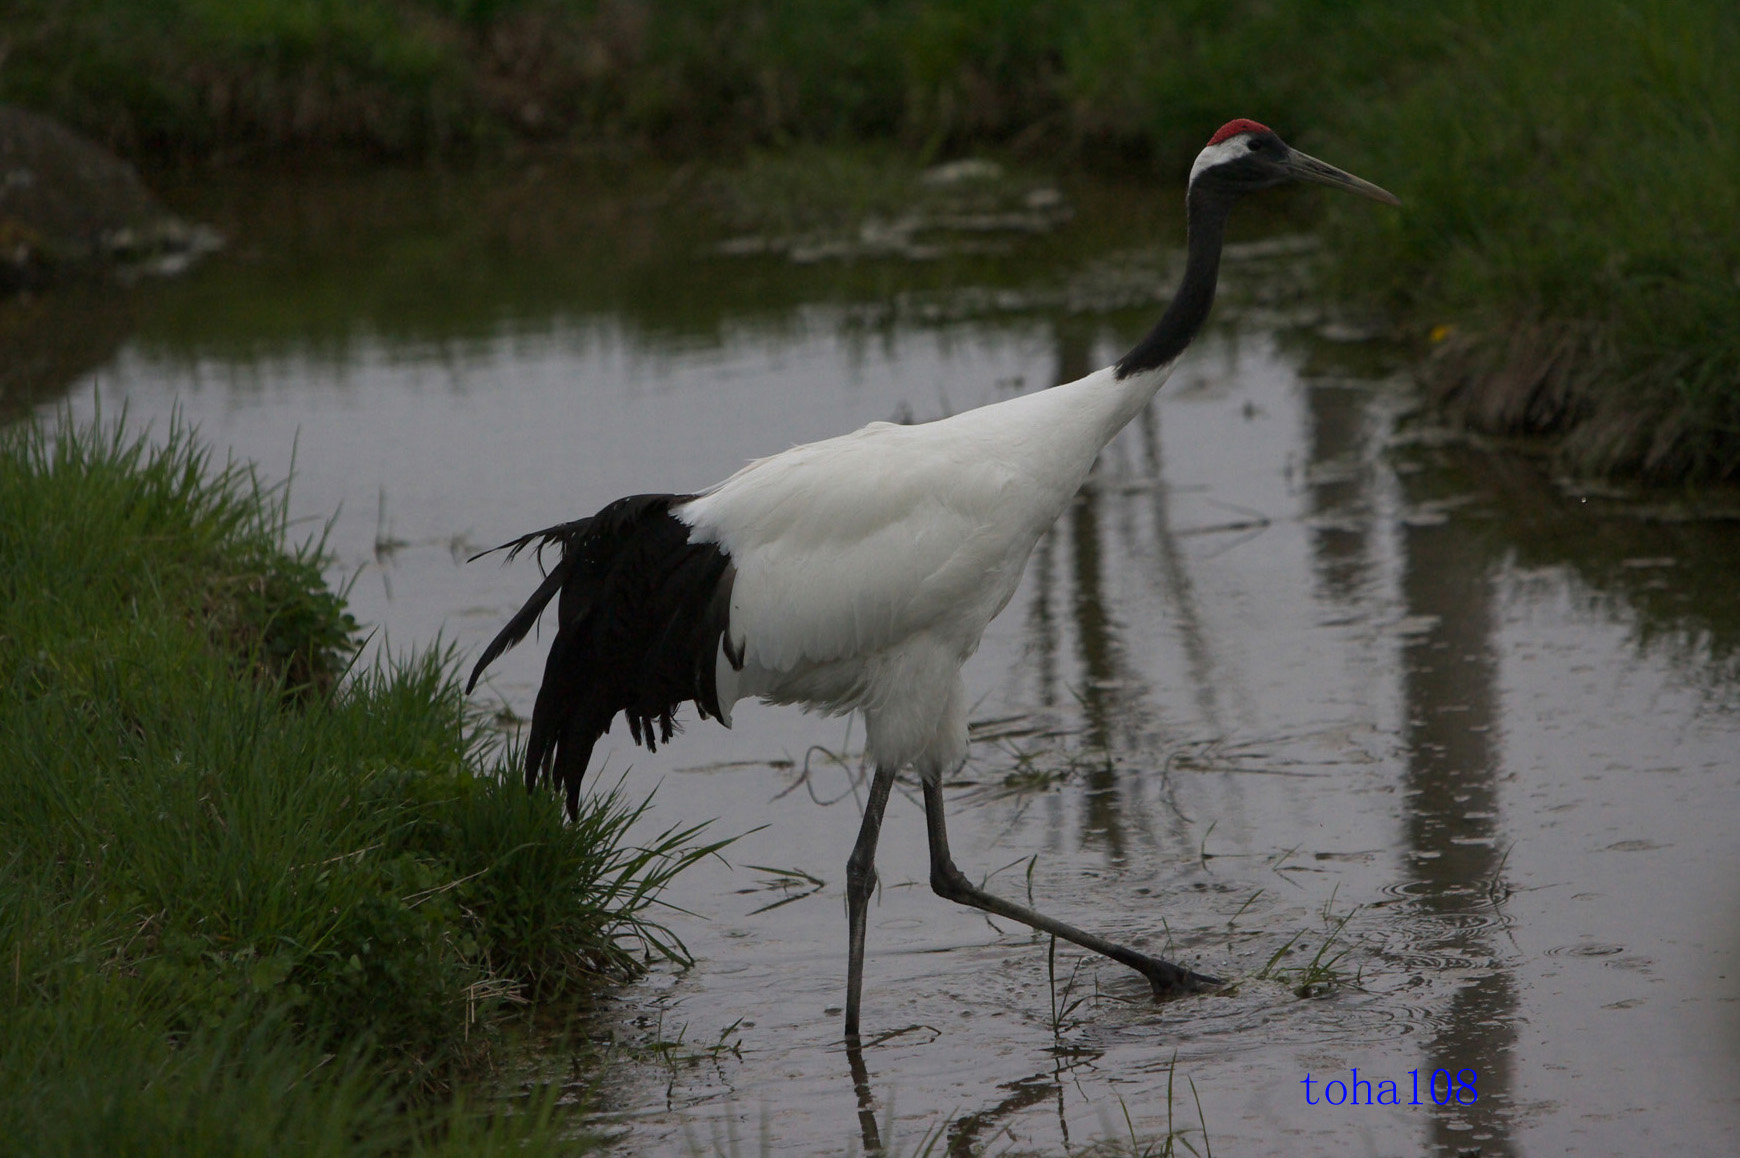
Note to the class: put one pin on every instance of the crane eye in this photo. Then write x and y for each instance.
(1255, 144)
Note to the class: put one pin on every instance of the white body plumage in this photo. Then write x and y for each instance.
(869, 565)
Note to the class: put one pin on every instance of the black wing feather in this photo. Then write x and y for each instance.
(640, 619)
(521, 624)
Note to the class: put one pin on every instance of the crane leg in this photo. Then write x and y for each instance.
(949, 882)
(860, 883)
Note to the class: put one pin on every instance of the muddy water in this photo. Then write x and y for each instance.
(1293, 682)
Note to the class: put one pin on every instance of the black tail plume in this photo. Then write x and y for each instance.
(640, 620)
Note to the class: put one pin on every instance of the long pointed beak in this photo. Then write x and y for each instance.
(1307, 168)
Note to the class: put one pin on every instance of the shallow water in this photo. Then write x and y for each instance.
(1291, 670)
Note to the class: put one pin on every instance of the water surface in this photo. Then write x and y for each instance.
(1292, 669)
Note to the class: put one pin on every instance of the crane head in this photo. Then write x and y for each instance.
(1244, 156)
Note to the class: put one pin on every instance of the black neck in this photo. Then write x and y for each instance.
(1206, 209)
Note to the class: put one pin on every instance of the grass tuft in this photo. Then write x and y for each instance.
(246, 905)
(1569, 191)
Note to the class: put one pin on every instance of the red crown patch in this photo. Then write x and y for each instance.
(1234, 128)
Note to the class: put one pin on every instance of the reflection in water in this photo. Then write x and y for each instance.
(1041, 621)
(1095, 641)
(1453, 764)
(967, 1135)
(1101, 689)
(1450, 731)
(48, 342)
(1339, 477)
(1107, 690)
(866, 1097)
(1174, 579)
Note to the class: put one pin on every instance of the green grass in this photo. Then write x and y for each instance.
(193, 76)
(247, 906)
(1317, 977)
(412, 75)
(1572, 212)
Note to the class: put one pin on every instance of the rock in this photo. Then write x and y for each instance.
(66, 202)
(960, 172)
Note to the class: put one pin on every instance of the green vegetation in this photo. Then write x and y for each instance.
(202, 75)
(411, 75)
(1316, 977)
(245, 906)
(1572, 191)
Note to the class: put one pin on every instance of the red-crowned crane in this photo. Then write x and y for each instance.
(859, 573)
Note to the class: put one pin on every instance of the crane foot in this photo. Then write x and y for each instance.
(1171, 980)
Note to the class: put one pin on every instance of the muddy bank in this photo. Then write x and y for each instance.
(1586, 401)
